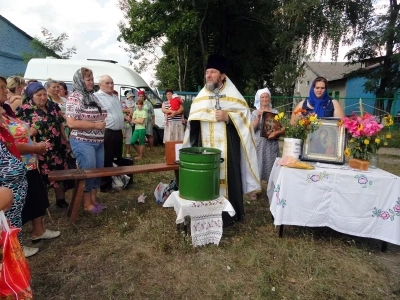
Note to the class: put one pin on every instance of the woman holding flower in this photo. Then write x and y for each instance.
(319, 102)
(267, 148)
(46, 117)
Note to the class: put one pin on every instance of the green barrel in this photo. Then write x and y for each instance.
(199, 173)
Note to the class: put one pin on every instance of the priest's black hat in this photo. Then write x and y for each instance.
(219, 62)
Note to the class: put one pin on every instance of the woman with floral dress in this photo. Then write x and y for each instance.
(46, 117)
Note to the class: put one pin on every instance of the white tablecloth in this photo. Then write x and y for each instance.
(365, 204)
(206, 217)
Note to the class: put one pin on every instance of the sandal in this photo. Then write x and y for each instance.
(94, 211)
(100, 206)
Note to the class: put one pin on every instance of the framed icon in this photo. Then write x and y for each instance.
(326, 144)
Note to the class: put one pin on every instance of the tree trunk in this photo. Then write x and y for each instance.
(201, 40)
(387, 61)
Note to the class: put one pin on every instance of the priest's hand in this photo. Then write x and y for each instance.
(221, 116)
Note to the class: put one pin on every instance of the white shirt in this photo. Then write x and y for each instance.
(115, 116)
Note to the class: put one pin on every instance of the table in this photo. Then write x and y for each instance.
(365, 204)
(206, 217)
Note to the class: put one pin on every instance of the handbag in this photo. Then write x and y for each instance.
(14, 271)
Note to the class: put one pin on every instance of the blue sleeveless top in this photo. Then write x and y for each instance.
(328, 109)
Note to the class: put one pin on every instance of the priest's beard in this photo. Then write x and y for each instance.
(212, 85)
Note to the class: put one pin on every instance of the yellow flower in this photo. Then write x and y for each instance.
(347, 152)
(313, 118)
(366, 141)
(276, 118)
(388, 120)
(301, 122)
(340, 123)
(377, 141)
(388, 136)
(281, 114)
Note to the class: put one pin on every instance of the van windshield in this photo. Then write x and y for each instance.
(150, 94)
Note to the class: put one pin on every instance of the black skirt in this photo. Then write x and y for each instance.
(36, 200)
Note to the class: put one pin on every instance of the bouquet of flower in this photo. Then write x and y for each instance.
(304, 124)
(367, 134)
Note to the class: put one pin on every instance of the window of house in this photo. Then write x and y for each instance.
(336, 96)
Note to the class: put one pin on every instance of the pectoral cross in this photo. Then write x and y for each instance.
(216, 97)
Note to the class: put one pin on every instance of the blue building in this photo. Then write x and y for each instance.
(14, 43)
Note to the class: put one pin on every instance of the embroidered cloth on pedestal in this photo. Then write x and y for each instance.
(206, 220)
(365, 204)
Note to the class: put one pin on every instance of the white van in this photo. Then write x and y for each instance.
(125, 79)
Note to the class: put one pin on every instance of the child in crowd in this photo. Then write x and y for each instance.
(127, 108)
(175, 103)
(139, 119)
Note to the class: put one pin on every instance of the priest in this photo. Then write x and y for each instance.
(220, 118)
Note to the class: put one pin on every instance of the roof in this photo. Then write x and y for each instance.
(331, 70)
(20, 30)
(25, 34)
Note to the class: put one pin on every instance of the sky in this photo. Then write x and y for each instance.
(92, 26)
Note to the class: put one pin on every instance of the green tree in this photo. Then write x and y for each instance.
(314, 25)
(380, 42)
(193, 29)
(49, 45)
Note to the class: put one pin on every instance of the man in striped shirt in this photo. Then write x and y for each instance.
(114, 124)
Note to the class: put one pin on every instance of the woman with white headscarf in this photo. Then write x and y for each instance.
(267, 147)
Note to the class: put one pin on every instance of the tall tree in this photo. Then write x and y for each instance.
(315, 25)
(49, 45)
(197, 28)
(380, 43)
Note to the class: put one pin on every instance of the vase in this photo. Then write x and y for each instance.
(359, 164)
(373, 160)
(292, 147)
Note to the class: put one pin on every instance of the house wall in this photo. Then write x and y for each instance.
(302, 88)
(355, 91)
(13, 44)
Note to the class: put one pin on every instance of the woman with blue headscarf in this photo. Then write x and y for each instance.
(47, 120)
(319, 102)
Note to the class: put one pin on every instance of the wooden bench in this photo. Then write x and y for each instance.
(80, 176)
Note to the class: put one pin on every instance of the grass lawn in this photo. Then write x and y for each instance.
(133, 251)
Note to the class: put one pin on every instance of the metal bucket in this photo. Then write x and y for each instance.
(199, 173)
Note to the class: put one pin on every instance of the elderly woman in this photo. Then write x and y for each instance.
(319, 102)
(46, 117)
(63, 91)
(267, 147)
(15, 86)
(150, 120)
(174, 128)
(86, 119)
(53, 89)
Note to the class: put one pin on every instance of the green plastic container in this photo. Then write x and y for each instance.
(199, 173)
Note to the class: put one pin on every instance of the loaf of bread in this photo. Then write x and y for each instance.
(301, 165)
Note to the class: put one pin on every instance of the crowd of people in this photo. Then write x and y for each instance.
(43, 127)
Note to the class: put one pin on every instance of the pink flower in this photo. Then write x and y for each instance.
(384, 215)
(396, 208)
